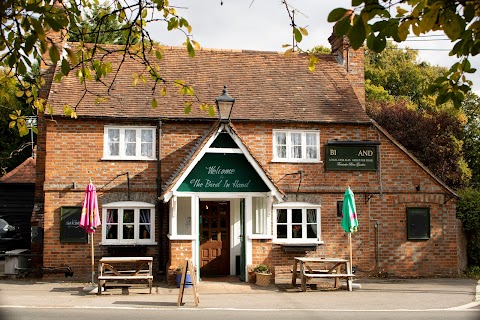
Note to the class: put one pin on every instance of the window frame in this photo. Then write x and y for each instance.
(290, 207)
(289, 145)
(122, 143)
(121, 207)
(425, 211)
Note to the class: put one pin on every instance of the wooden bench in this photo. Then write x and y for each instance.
(335, 276)
(109, 270)
(306, 272)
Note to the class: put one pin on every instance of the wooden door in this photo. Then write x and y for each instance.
(214, 238)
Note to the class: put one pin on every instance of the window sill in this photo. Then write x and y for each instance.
(300, 247)
(260, 237)
(128, 244)
(297, 243)
(128, 159)
(181, 237)
(296, 161)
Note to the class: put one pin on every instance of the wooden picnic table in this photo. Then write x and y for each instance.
(334, 268)
(119, 268)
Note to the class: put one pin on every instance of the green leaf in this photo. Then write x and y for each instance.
(313, 61)
(469, 12)
(65, 67)
(428, 20)
(356, 3)
(342, 27)
(22, 130)
(52, 23)
(154, 103)
(190, 49)
(172, 24)
(21, 69)
(211, 111)
(188, 107)
(297, 34)
(441, 99)
(357, 34)
(12, 59)
(72, 56)
(158, 54)
(336, 14)
(144, 13)
(30, 43)
(453, 25)
(54, 54)
(377, 44)
(403, 30)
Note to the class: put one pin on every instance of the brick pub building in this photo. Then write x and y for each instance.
(263, 188)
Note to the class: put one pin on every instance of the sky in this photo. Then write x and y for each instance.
(264, 25)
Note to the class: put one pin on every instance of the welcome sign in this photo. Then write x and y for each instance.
(223, 172)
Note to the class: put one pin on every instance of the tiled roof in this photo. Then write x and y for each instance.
(267, 86)
(24, 173)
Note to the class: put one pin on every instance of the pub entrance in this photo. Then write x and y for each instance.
(214, 238)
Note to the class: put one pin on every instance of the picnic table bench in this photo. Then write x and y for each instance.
(110, 269)
(333, 270)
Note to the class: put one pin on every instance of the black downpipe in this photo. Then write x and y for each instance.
(160, 205)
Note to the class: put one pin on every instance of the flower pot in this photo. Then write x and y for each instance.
(188, 280)
(263, 279)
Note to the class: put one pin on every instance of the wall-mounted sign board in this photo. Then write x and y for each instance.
(70, 230)
(351, 155)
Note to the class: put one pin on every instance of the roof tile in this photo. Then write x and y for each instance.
(267, 86)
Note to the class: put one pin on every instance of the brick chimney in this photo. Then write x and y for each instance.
(351, 60)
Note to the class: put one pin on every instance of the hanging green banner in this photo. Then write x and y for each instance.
(223, 172)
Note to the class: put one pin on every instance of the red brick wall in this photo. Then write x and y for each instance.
(74, 150)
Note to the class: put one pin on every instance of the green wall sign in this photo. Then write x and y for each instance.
(223, 172)
(351, 157)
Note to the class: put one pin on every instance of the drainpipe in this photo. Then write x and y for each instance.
(160, 205)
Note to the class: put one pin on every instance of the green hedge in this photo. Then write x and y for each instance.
(468, 211)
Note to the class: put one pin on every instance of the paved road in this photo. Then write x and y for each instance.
(22, 299)
(213, 314)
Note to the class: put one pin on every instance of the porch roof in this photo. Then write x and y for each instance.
(181, 173)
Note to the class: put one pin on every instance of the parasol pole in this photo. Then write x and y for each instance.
(350, 249)
(93, 258)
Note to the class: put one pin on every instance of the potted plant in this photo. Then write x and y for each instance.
(263, 275)
(178, 278)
